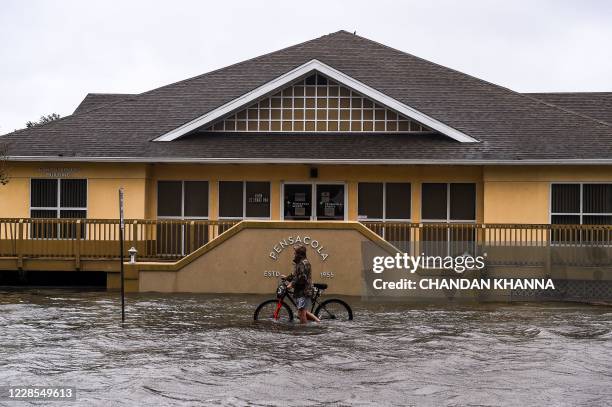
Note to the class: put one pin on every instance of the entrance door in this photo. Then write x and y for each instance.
(313, 202)
(298, 202)
(330, 201)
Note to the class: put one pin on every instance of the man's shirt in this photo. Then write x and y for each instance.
(302, 279)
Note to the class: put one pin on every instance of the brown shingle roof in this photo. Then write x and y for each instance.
(597, 105)
(96, 100)
(510, 126)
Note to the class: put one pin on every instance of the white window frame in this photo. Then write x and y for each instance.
(313, 203)
(448, 202)
(384, 199)
(182, 216)
(244, 182)
(448, 221)
(580, 214)
(58, 208)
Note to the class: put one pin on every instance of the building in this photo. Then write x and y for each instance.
(339, 128)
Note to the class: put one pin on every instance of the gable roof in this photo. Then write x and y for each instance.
(302, 71)
(96, 100)
(597, 105)
(317, 104)
(511, 127)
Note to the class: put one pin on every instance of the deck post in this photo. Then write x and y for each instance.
(549, 233)
(191, 237)
(77, 245)
(20, 245)
(135, 233)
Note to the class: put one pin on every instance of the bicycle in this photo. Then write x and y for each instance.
(279, 310)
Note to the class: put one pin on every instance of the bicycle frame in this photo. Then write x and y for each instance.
(317, 307)
(289, 295)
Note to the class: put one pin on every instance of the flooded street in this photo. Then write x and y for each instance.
(205, 349)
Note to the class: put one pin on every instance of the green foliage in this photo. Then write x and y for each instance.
(43, 120)
(4, 179)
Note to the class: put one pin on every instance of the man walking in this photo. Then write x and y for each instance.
(301, 281)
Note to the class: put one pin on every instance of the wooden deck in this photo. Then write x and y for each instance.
(92, 244)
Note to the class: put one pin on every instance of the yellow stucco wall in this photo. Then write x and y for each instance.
(505, 194)
(14, 198)
(103, 182)
(522, 194)
(351, 175)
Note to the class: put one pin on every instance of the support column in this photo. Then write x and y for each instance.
(213, 200)
(275, 200)
(352, 200)
(416, 202)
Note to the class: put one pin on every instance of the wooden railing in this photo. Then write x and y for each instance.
(98, 238)
(171, 239)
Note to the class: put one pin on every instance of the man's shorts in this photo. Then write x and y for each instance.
(303, 302)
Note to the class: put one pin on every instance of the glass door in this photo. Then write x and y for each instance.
(330, 201)
(313, 202)
(297, 202)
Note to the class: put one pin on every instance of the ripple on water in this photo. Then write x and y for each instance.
(192, 349)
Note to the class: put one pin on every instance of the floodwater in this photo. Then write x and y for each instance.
(206, 350)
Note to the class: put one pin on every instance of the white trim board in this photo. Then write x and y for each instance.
(299, 72)
(309, 161)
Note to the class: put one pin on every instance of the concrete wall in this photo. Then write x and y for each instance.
(240, 261)
(249, 258)
(240, 264)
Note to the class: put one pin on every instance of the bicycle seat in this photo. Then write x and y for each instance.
(320, 286)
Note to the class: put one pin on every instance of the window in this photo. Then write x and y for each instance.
(384, 201)
(182, 199)
(57, 198)
(317, 103)
(231, 199)
(244, 199)
(195, 199)
(297, 201)
(330, 201)
(170, 199)
(370, 201)
(257, 200)
(446, 202)
(313, 201)
(586, 204)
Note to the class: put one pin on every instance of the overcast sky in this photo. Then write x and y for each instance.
(52, 53)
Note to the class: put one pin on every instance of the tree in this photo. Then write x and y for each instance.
(4, 164)
(43, 120)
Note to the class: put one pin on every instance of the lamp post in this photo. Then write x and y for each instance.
(132, 252)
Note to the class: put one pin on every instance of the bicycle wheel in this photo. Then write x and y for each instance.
(267, 309)
(334, 309)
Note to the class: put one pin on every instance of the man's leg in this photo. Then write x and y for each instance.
(303, 316)
(312, 317)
